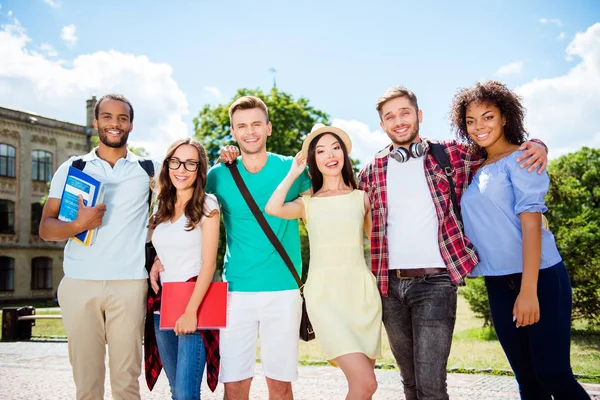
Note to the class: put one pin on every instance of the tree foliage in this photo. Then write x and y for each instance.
(292, 120)
(574, 216)
(475, 294)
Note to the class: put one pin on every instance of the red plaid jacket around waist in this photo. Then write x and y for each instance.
(152, 363)
(457, 251)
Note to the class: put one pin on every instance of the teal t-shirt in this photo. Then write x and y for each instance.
(251, 262)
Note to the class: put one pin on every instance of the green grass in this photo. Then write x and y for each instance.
(474, 349)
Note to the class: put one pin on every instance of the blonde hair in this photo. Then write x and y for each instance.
(248, 103)
(394, 93)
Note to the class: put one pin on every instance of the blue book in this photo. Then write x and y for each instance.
(92, 191)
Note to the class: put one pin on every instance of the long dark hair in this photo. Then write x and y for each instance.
(316, 176)
(167, 193)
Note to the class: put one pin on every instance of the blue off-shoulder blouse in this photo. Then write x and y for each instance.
(491, 206)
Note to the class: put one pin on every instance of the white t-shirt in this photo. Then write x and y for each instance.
(180, 251)
(412, 224)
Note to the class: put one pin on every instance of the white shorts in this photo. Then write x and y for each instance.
(275, 316)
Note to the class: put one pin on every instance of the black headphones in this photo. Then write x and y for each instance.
(415, 150)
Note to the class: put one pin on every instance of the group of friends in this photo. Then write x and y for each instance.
(423, 246)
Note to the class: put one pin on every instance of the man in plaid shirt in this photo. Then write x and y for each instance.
(419, 253)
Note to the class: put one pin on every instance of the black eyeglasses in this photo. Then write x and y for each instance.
(189, 165)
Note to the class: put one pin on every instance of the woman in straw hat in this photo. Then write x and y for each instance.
(342, 299)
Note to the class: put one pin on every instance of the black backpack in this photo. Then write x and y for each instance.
(441, 157)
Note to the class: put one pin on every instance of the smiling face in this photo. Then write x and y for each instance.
(485, 124)
(400, 120)
(329, 155)
(113, 123)
(250, 129)
(180, 177)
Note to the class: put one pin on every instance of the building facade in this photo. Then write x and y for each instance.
(32, 147)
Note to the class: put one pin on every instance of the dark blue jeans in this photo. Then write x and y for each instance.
(419, 316)
(183, 358)
(539, 354)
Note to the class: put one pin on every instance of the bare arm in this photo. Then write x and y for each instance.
(527, 308)
(54, 230)
(536, 156)
(368, 221)
(187, 323)
(277, 205)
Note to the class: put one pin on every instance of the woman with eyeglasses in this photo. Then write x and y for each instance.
(185, 232)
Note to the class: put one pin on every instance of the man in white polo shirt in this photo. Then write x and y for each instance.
(103, 293)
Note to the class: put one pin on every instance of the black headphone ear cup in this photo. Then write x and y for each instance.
(401, 155)
(417, 150)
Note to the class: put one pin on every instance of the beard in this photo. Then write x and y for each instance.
(105, 138)
(405, 142)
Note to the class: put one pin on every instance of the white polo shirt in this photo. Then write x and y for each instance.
(118, 251)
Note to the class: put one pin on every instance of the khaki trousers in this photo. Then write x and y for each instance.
(100, 313)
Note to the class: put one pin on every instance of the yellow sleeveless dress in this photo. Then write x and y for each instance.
(342, 299)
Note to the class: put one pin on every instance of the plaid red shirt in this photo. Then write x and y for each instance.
(457, 251)
(152, 363)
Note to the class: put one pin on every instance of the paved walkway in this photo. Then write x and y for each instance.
(41, 370)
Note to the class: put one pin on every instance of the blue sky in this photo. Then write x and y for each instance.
(171, 58)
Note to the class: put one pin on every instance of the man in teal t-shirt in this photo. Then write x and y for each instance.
(264, 297)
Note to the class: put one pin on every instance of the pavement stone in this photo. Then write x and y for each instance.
(40, 370)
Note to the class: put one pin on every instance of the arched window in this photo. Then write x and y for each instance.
(7, 274)
(7, 216)
(41, 273)
(7, 160)
(36, 217)
(41, 166)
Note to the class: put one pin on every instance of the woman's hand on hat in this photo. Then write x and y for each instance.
(298, 165)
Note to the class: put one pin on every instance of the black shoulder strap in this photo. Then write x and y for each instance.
(79, 164)
(262, 221)
(148, 166)
(441, 157)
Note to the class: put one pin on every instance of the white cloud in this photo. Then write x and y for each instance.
(561, 36)
(513, 68)
(9, 13)
(365, 143)
(51, 3)
(213, 91)
(48, 50)
(68, 35)
(30, 80)
(563, 111)
(554, 21)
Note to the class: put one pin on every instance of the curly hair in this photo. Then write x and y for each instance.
(494, 93)
(167, 193)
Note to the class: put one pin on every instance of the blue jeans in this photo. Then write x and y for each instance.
(183, 358)
(539, 354)
(419, 316)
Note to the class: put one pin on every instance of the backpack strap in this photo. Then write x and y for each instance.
(148, 166)
(441, 158)
(78, 164)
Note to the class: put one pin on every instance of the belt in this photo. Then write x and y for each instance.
(415, 272)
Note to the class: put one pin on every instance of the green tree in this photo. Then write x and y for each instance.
(292, 119)
(475, 294)
(574, 216)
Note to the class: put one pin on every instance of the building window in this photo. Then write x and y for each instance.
(7, 216)
(36, 217)
(41, 273)
(7, 160)
(7, 274)
(41, 166)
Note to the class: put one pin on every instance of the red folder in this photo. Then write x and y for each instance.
(212, 313)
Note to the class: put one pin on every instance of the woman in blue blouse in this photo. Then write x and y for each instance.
(528, 286)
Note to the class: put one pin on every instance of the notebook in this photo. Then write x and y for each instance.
(212, 313)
